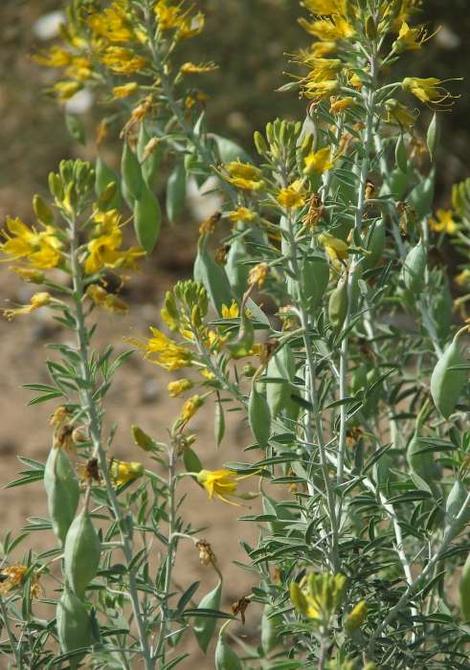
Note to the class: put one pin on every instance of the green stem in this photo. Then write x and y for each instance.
(370, 104)
(172, 543)
(313, 399)
(90, 407)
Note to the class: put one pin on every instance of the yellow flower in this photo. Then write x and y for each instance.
(244, 176)
(125, 90)
(428, 89)
(258, 274)
(411, 39)
(178, 387)
(318, 161)
(123, 472)
(339, 105)
(397, 113)
(241, 214)
(161, 350)
(444, 222)
(80, 68)
(328, 30)
(123, 61)
(190, 408)
(356, 616)
(54, 57)
(37, 301)
(40, 249)
(324, 7)
(193, 68)
(318, 595)
(66, 89)
(221, 483)
(192, 26)
(14, 576)
(319, 90)
(104, 250)
(336, 249)
(292, 196)
(172, 17)
(323, 69)
(112, 23)
(107, 301)
(463, 278)
(232, 312)
(169, 17)
(322, 49)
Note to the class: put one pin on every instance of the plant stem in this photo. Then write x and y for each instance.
(172, 542)
(370, 103)
(310, 367)
(94, 420)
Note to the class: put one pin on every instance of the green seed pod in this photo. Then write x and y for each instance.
(150, 153)
(260, 143)
(204, 626)
(219, 423)
(423, 468)
(225, 657)
(314, 276)
(281, 367)
(375, 245)
(432, 136)
(143, 440)
(270, 629)
(55, 186)
(454, 503)
(212, 276)
(63, 491)
(338, 305)
(447, 381)
(237, 271)
(464, 589)
(42, 210)
(81, 553)
(176, 193)
(132, 180)
(108, 198)
(73, 626)
(147, 219)
(401, 157)
(414, 268)
(259, 416)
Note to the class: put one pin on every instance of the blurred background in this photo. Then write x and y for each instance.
(249, 39)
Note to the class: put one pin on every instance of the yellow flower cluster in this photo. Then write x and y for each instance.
(161, 350)
(104, 248)
(122, 60)
(41, 250)
(444, 222)
(318, 596)
(123, 472)
(14, 576)
(244, 176)
(172, 16)
(292, 196)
